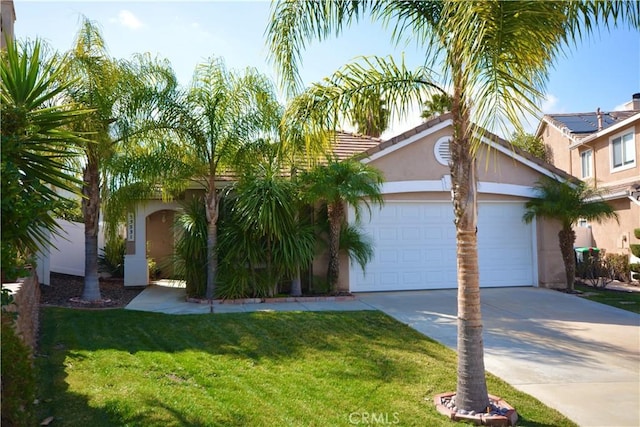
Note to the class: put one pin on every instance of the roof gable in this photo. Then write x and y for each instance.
(445, 120)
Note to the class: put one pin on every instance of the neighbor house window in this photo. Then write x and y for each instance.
(623, 151)
(586, 162)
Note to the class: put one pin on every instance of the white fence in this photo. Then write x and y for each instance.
(66, 252)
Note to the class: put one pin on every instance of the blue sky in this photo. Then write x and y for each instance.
(603, 72)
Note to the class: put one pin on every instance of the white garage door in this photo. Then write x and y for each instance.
(415, 247)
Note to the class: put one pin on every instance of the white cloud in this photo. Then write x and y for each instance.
(127, 19)
(549, 103)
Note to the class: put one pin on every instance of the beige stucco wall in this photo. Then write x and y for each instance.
(415, 161)
(602, 159)
(558, 144)
(609, 234)
(550, 264)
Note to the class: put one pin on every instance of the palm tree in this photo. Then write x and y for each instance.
(495, 56)
(128, 100)
(372, 115)
(223, 110)
(439, 103)
(567, 203)
(338, 184)
(36, 147)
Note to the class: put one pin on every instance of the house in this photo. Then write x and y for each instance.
(413, 233)
(601, 148)
(7, 18)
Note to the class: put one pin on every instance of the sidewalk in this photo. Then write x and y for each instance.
(168, 297)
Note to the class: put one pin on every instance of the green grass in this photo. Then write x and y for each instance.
(118, 368)
(629, 301)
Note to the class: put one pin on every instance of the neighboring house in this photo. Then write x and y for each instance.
(413, 233)
(601, 148)
(7, 18)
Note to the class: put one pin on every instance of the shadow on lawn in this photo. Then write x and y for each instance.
(282, 335)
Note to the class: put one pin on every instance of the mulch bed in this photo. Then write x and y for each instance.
(65, 291)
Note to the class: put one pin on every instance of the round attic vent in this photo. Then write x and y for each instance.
(441, 150)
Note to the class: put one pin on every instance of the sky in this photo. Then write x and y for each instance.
(603, 72)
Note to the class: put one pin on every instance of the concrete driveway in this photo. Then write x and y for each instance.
(578, 356)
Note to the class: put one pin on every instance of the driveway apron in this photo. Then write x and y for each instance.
(577, 356)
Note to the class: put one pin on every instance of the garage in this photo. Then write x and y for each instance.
(415, 247)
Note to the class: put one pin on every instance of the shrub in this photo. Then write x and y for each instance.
(18, 378)
(635, 271)
(596, 271)
(112, 258)
(635, 250)
(619, 264)
(636, 232)
(191, 247)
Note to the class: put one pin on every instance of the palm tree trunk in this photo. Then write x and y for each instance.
(567, 238)
(212, 261)
(91, 213)
(471, 391)
(296, 284)
(212, 238)
(335, 212)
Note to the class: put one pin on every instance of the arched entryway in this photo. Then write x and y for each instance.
(160, 244)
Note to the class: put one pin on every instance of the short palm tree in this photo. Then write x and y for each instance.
(339, 184)
(37, 146)
(568, 202)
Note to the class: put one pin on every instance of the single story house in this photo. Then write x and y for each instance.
(413, 232)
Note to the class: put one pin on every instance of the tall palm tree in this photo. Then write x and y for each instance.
(567, 203)
(338, 184)
(495, 56)
(127, 100)
(36, 147)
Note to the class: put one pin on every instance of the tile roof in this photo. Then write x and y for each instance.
(348, 145)
(584, 124)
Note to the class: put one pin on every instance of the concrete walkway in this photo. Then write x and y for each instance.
(578, 356)
(169, 297)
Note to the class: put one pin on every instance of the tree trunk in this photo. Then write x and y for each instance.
(212, 237)
(335, 213)
(91, 213)
(296, 284)
(471, 391)
(567, 238)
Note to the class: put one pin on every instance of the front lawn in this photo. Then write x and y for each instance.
(119, 367)
(629, 301)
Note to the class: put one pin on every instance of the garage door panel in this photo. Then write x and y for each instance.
(415, 247)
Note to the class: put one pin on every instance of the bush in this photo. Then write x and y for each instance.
(619, 264)
(191, 247)
(636, 232)
(596, 271)
(18, 378)
(112, 258)
(635, 250)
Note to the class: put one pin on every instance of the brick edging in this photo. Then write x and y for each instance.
(271, 300)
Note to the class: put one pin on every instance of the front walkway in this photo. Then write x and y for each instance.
(167, 296)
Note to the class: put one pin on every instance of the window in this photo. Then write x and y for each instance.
(623, 151)
(586, 162)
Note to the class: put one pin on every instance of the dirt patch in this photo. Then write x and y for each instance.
(65, 291)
